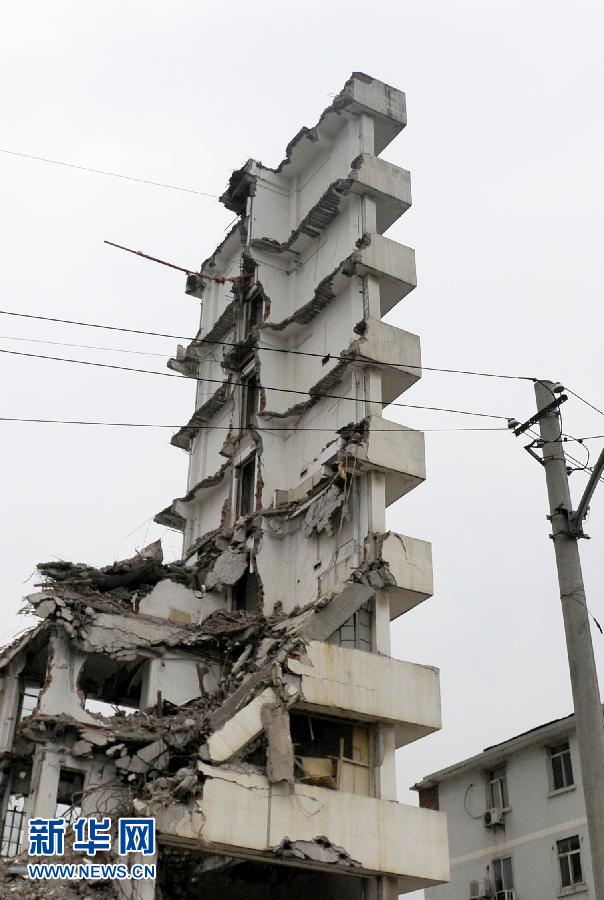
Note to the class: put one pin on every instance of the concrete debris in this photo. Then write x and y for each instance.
(376, 574)
(139, 573)
(280, 750)
(340, 608)
(319, 850)
(227, 570)
(15, 882)
(327, 512)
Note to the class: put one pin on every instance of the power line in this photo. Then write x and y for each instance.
(56, 162)
(583, 400)
(325, 356)
(8, 337)
(82, 362)
(266, 428)
(566, 438)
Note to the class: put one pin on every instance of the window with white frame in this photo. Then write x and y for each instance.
(16, 784)
(569, 860)
(497, 789)
(29, 697)
(561, 767)
(503, 878)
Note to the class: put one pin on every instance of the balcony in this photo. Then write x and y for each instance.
(397, 451)
(380, 837)
(370, 687)
(410, 562)
(388, 185)
(396, 353)
(393, 264)
(352, 684)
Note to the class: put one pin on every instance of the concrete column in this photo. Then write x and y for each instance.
(366, 134)
(150, 684)
(9, 704)
(42, 800)
(385, 771)
(101, 793)
(60, 696)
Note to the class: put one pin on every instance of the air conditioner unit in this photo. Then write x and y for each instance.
(493, 817)
(479, 890)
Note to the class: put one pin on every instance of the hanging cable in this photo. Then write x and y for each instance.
(82, 362)
(56, 162)
(586, 402)
(228, 428)
(327, 357)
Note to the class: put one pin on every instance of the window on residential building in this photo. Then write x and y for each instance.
(497, 793)
(503, 878)
(331, 753)
(29, 698)
(246, 487)
(249, 398)
(569, 859)
(355, 633)
(253, 312)
(69, 795)
(561, 767)
(12, 833)
(17, 785)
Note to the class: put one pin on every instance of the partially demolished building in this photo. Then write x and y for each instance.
(245, 696)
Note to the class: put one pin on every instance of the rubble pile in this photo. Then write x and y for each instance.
(139, 573)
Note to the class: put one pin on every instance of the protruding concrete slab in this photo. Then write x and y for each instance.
(372, 687)
(410, 562)
(394, 265)
(395, 450)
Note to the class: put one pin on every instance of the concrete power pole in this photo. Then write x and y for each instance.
(584, 680)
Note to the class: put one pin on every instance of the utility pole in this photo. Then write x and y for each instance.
(566, 529)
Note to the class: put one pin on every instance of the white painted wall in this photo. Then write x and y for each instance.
(536, 820)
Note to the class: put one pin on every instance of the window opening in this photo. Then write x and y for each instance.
(498, 788)
(355, 633)
(14, 818)
(69, 795)
(29, 697)
(249, 398)
(246, 487)
(561, 767)
(244, 596)
(254, 310)
(332, 753)
(109, 685)
(569, 860)
(504, 878)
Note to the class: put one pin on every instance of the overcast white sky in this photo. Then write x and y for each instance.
(505, 149)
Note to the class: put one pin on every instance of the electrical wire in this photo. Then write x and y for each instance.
(82, 362)
(583, 400)
(267, 428)
(325, 356)
(579, 465)
(8, 337)
(56, 162)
